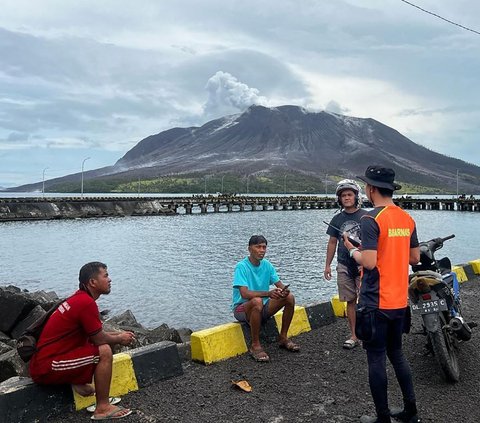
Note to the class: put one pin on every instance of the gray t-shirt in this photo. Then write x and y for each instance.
(345, 222)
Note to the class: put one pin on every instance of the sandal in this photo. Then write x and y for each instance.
(289, 346)
(119, 413)
(350, 344)
(259, 355)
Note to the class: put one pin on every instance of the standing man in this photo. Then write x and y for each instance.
(73, 346)
(348, 276)
(255, 303)
(389, 245)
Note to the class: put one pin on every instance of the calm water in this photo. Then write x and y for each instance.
(178, 269)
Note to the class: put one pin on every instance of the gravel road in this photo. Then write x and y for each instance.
(322, 383)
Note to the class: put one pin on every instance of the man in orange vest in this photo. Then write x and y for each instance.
(389, 246)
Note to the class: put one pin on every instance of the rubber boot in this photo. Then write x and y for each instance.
(408, 414)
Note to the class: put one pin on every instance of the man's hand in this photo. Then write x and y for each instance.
(126, 338)
(277, 293)
(327, 273)
(347, 243)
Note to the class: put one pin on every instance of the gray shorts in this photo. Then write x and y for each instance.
(348, 287)
(241, 316)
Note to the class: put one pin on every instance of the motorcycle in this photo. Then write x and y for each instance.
(434, 293)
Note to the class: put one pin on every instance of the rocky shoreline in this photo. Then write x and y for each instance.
(20, 308)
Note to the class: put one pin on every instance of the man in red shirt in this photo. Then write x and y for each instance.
(389, 246)
(73, 347)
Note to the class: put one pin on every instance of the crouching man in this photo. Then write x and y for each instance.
(73, 347)
(253, 300)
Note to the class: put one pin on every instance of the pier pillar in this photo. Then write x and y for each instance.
(188, 209)
(229, 207)
(285, 206)
(242, 206)
(265, 206)
(275, 206)
(203, 208)
(294, 206)
(216, 207)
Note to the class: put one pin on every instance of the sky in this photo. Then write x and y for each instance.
(90, 79)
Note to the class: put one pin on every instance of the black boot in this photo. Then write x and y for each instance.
(408, 414)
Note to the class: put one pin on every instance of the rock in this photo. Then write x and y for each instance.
(34, 315)
(125, 319)
(45, 299)
(14, 306)
(5, 348)
(184, 334)
(12, 365)
(164, 333)
(4, 337)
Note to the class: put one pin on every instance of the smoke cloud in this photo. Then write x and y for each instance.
(227, 95)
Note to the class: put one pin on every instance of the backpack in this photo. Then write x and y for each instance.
(27, 343)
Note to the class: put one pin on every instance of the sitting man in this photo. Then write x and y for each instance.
(73, 346)
(255, 303)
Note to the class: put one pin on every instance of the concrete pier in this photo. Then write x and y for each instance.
(76, 207)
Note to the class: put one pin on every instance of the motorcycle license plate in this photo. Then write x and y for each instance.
(429, 306)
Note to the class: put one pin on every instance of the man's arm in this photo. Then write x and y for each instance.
(122, 338)
(414, 255)
(273, 293)
(331, 247)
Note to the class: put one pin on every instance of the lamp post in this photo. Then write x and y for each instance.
(457, 183)
(285, 184)
(247, 183)
(326, 184)
(83, 163)
(222, 183)
(43, 182)
(205, 184)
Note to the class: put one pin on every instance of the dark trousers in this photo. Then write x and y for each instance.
(387, 341)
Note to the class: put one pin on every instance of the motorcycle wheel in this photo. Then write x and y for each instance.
(445, 351)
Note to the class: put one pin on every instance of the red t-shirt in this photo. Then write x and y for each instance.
(70, 326)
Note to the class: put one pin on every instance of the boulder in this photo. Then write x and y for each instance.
(185, 334)
(12, 365)
(5, 348)
(4, 337)
(164, 333)
(34, 315)
(125, 319)
(14, 306)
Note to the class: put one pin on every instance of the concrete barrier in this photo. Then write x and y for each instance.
(229, 340)
(22, 401)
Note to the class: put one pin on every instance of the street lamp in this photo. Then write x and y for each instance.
(83, 163)
(43, 182)
(247, 183)
(457, 183)
(326, 184)
(285, 184)
(222, 183)
(205, 184)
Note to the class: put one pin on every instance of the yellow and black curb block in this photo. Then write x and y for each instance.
(22, 401)
(232, 339)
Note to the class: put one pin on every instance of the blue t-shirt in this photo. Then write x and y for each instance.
(255, 278)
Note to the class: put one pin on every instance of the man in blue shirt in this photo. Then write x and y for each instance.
(253, 300)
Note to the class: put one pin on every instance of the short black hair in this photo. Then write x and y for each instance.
(385, 192)
(89, 271)
(257, 239)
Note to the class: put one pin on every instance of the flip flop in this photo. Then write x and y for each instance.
(259, 356)
(112, 400)
(349, 344)
(289, 346)
(112, 415)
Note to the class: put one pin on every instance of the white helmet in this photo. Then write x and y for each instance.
(347, 184)
(351, 185)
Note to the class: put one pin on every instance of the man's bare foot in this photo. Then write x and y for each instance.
(111, 412)
(84, 390)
